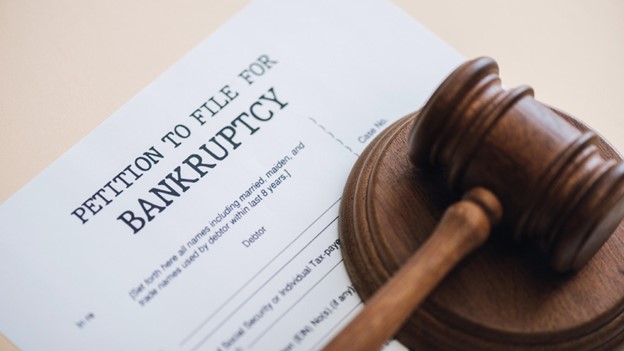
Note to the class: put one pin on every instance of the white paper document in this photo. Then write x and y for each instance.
(202, 215)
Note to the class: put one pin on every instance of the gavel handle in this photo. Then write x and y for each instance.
(464, 226)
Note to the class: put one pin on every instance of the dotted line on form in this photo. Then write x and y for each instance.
(333, 136)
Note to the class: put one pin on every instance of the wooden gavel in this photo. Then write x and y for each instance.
(516, 161)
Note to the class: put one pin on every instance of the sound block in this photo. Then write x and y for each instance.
(503, 297)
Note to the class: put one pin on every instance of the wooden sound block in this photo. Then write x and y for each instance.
(503, 297)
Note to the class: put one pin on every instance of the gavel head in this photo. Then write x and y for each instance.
(557, 191)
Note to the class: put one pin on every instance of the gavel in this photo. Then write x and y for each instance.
(516, 162)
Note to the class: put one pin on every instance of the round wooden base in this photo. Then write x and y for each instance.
(503, 297)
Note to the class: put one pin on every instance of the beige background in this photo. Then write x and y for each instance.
(66, 65)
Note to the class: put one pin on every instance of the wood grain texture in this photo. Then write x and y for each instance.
(465, 226)
(501, 298)
(558, 191)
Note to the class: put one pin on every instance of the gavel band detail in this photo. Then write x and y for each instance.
(556, 189)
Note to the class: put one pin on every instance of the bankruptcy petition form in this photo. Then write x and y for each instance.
(203, 214)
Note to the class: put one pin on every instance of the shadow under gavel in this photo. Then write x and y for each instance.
(515, 161)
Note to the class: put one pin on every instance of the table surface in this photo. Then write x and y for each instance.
(62, 61)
